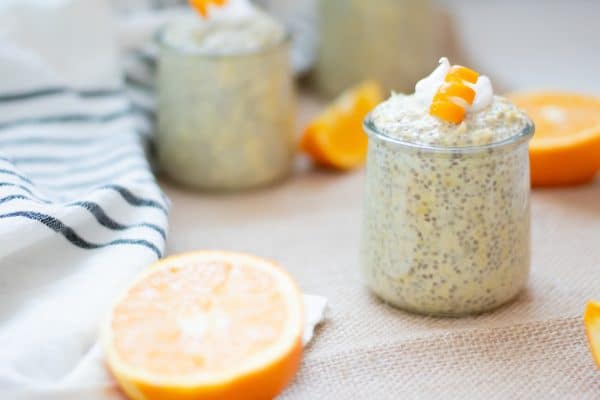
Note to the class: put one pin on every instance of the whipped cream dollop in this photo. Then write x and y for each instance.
(427, 87)
(236, 28)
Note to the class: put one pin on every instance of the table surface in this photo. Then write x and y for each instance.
(532, 348)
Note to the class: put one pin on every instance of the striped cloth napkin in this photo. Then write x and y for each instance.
(80, 210)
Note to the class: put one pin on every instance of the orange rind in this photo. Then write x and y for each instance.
(335, 138)
(565, 149)
(591, 319)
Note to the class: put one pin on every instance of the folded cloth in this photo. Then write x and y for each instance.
(80, 210)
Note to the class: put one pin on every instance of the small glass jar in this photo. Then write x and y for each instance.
(390, 41)
(446, 230)
(225, 122)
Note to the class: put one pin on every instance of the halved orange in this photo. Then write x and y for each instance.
(206, 325)
(591, 319)
(335, 138)
(565, 149)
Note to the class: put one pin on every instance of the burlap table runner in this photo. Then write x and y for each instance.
(533, 348)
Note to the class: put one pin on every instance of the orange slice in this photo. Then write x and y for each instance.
(565, 149)
(202, 5)
(455, 89)
(460, 74)
(335, 138)
(591, 319)
(447, 110)
(206, 325)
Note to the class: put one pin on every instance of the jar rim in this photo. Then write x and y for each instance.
(285, 40)
(523, 135)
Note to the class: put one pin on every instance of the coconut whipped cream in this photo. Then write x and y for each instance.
(488, 120)
(237, 28)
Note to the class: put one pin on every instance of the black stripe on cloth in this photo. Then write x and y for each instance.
(109, 223)
(127, 195)
(134, 200)
(68, 118)
(144, 111)
(145, 58)
(138, 83)
(52, 91)
(69, 233)
(13, 173)
(26, 190)
(97, 211)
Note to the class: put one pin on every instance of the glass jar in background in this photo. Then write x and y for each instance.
(446, 230)
(391, 41)
(225, 122)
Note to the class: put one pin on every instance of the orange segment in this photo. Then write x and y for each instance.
(447, 110)
(206, 325)
(565, 149)
(460, 73)
(335, 138)
(201, 6)
(591, 319)
(455, 89)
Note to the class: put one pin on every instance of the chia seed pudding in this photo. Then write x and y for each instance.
(446, 213)
(226, 100)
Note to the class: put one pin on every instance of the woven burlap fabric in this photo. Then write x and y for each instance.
(533, 348)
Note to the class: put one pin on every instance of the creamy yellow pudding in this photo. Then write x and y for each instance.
(446, 211)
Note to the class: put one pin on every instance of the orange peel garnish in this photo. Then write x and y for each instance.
(455, 89)
(447, 111)
(447, 103)
(462, 74)
(202, 5)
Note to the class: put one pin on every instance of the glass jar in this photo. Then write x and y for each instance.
(446, 230)
(225, 121)
(391, 41)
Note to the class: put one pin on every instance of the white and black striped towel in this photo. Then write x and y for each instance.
(80, 210)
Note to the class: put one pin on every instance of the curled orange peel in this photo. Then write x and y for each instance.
(591, 318)
(460, 73)
(452, 97)
(201, 6)
(455, 89)
(447, 111)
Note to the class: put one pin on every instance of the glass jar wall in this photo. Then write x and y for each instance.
(225, 122)
(446, 230)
